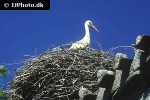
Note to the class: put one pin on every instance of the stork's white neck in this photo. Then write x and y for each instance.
(87, 32)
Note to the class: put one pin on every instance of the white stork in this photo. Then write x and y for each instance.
(85, 41)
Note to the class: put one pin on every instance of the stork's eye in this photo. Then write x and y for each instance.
(90, 23)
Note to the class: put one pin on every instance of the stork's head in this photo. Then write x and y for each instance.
(89, 23)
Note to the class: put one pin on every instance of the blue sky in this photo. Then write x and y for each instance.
(119, 22)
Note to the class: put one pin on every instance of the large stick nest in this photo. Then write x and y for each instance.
(58, 74)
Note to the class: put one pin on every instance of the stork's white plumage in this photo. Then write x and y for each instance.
(85, 41)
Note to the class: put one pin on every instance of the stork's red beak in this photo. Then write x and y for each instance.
(94, 28)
